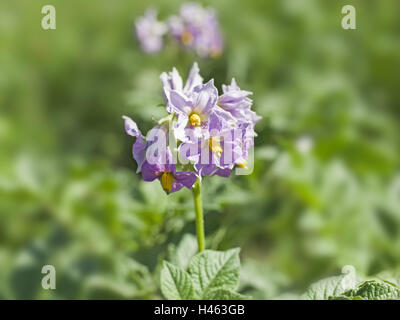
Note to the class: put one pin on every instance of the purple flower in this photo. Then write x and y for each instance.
(165, 171)
(194, 104)
(150, 31)
(237, 103)
(193, 110)
(197, 28)
(215, 153)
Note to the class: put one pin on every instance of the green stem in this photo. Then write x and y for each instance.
(198, 207)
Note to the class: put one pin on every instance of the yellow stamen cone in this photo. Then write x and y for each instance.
(187, 38)
(214, 146)
(242, 165)
(167, 179)
(195, 120)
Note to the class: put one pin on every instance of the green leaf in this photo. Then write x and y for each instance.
(373, 290)
(224, 294)
(332, 286)
(181, 255)
(215, 270)
(389, 277)
(175, 283)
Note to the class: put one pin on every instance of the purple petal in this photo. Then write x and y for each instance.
(150, 171)
(215, 122)
(140, 146)
(179, 127)
(223, 172)
(194, 79)
(234, 99)
(170, 162)
(190, 150)
(171, 80)
(205, 169)
(176, 186)
(237, 103)
(139, 152)
(178, 103)
(131, 127)
(186, 179)
(206, 98)
(227, 116)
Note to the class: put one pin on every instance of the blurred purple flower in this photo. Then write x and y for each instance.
(197, 28)
(150, 31)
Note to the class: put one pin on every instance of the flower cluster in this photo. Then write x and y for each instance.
(205, 133)
(195, 27)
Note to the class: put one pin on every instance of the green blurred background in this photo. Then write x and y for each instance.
(326, 187)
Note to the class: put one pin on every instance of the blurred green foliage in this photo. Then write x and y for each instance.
(326, 187)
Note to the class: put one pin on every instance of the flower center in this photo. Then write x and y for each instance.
(214, 146)
(195, 120)
(187, 38)
(242, 165)
(167, 178)
(215, 52)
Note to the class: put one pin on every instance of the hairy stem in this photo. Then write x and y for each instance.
(198, 207)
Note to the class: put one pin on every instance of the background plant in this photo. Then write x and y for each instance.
(69, 196)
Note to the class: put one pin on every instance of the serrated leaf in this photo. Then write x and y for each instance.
(332, 286)
(183, 253)
(215, 270)
(390, 277)
(224, 294)
(373, 290)
(176, 283)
